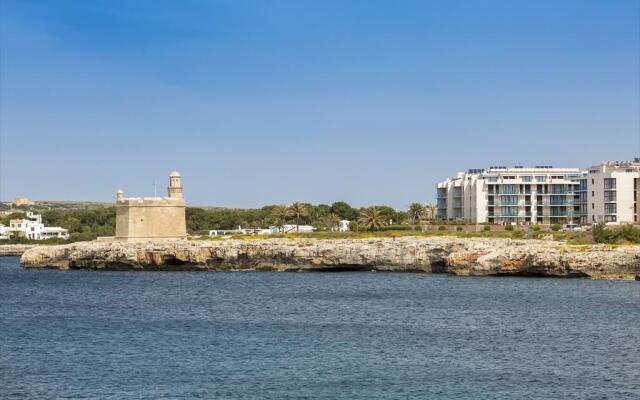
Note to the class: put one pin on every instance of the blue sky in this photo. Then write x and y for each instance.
(259, 102)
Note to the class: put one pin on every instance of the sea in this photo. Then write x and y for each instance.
(82, 334)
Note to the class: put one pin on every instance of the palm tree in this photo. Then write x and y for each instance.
(416, 210)
(371, 218)
(332, 221)
(298, 210)
(280, 214)
(431, 214)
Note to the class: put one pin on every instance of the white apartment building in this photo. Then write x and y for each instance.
(613, 189)
(541, 194)
(33, 228)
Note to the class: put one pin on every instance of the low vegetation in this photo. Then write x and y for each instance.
(623, 234)
(376, 221)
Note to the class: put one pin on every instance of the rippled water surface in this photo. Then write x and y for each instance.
(96, 334)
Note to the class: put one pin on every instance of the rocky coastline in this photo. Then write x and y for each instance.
(14, 249)
(457, 256)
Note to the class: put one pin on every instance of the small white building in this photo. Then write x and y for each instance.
(243, 231)
(296, 229)
(272, 230)
(343, 225)
(33, 228)
(4, 232)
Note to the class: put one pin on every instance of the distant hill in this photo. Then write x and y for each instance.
(43, 205)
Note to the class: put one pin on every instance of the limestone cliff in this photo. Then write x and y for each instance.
(14, 249)
(434, 254)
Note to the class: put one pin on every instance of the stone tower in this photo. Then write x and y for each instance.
(152, 218)
(175, 185)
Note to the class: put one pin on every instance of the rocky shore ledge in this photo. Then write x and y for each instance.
(458, 256)
(14, 249)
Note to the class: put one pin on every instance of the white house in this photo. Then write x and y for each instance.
(33, 228)
(343, 225)
(4, 232)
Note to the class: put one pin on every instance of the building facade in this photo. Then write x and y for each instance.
(537, 195)
(22, 201)
(152, 218)
(613, 189)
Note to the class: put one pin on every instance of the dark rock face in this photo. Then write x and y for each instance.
(410, 254)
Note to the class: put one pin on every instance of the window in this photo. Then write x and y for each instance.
(526, 179)
(593, 194)
(609, 218)
(609, 208)
(593, 181)
(609, 195)
(583, 184)
(593, 206)
(493, 179)
(540, 178)
(509, 211)
(609, 183)
(558, 189)
(509, 200)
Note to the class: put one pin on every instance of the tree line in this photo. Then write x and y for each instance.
(322, 216)
(88, 224)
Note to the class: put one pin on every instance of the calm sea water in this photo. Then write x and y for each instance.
(96, 334)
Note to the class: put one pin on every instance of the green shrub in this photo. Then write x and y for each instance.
(625, 233)
(486, 228)
(509, 227)
(556, 227)
(442, 228)
(459, 228)
(602, 234)
(396, 228)
(536, 228)
(629, 233)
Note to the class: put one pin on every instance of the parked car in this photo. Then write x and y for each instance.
(571, 227)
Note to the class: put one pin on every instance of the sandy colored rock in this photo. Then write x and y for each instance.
(14, 249)
(457, 256)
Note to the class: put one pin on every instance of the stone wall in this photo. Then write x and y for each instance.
(150, 219)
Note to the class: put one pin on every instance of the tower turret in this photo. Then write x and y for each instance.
(175, 185)
(119, 195)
